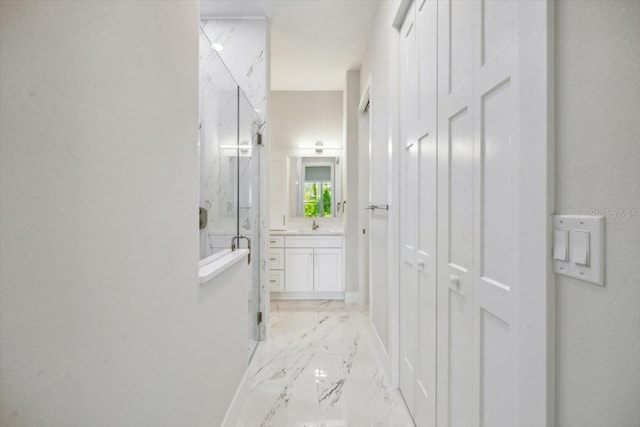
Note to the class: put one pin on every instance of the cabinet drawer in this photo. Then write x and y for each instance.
(276, 241)
(313, 241)
(276, 259)
(276, 281)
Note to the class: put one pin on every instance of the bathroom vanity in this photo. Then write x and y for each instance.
(306, 265)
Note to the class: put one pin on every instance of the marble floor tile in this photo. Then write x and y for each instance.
(319, 368)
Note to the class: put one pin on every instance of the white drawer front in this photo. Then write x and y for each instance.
(313, 241)
(276, 259)
(276, 281)
(276, 241)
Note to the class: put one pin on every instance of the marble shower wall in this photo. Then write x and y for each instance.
(243, 59)
(245, 55)
(218, 166)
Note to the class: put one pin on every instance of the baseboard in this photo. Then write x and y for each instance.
(352, 297)
(383, 354)
(231, 417)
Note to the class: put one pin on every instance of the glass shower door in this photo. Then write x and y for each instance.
(249, 207)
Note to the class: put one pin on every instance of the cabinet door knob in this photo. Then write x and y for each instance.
(454, 280)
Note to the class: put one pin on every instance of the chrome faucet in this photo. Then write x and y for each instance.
(314, 226)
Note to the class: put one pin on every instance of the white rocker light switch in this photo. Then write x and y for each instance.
(560, 245)
(580, 247)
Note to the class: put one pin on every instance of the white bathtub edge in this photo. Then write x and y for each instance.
(216, 267)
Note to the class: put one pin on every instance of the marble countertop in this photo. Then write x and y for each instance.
(319, 232)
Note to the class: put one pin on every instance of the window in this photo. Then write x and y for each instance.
(318, 190)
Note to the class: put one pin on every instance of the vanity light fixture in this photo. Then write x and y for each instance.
(319, 147)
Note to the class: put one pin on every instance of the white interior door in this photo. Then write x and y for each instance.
(418, 298)
(426, 132)
(493, 286)
(475, 205)
(455, 213)
(409, 210)
(378, 221)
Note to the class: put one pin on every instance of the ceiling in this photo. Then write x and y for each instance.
(313, 42)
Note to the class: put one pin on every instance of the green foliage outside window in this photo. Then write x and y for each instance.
(326, 200)
(317, 199)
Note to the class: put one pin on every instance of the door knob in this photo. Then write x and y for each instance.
(421, 264)
(454, 280)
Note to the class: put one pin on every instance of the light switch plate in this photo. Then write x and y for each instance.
(577, 226)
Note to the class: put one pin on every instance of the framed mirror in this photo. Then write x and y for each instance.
(315, 187)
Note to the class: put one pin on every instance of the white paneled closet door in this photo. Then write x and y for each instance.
(456, 382)
(409, 211)
(475, 205)
(496, 180)
(419, 191)
(484, 241)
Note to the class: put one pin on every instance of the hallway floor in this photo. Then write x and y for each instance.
(319, 368)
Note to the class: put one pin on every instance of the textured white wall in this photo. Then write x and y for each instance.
(598, 169)
(102, 319)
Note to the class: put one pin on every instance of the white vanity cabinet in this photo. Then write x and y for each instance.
(298, 276)
(313, 266)
(276, 263)
(327, 270)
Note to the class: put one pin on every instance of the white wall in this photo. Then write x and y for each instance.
(102, 319)
(220, 349)
(598, 169)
